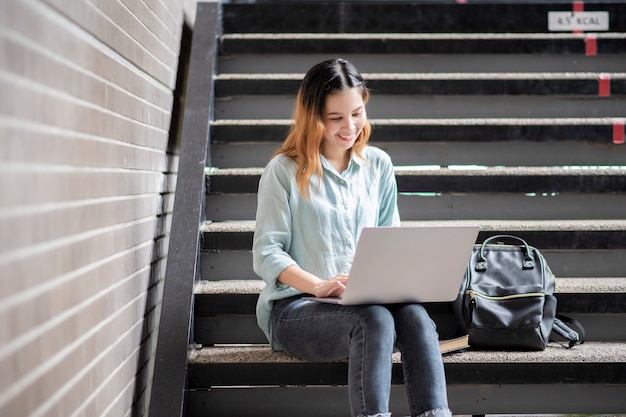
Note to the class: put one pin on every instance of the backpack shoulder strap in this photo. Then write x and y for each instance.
(565, 331)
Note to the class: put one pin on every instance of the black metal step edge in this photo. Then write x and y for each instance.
(460, 183)
(335, 373)
(573, 45)
(537, 86)
(211, 305)
(444, 132)
(403, 16)
(544, 239)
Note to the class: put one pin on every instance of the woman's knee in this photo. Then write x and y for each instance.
(377, 322)
(414, 316)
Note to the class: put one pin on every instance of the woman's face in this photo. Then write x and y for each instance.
(344, 118)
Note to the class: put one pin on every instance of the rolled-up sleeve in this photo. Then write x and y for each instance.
(388, 214)
(273, 233)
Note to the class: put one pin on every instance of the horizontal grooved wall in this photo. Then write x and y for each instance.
(87, 179)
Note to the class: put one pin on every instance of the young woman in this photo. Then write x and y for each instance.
(315, 195)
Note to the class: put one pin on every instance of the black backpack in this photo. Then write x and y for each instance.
(507, 299)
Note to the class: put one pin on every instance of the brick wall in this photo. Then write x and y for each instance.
(87, 173)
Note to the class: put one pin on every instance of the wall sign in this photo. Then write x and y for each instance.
(571, 21)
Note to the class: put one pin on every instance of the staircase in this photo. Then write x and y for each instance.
(488, 117)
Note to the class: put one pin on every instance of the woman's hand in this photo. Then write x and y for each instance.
(333, 287)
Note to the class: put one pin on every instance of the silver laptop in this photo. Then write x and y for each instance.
(408, 264)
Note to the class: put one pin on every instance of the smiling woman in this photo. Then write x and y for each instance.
(315, 197)
(325, 90)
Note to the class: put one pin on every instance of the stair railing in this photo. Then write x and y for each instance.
(175, 331)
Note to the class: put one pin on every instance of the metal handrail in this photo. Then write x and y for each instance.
(175, 329)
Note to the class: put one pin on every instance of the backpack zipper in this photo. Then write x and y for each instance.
(473, 294)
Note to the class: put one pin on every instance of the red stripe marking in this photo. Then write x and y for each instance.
(578, 6)
(591, 45)
(604, 85)
(618, 131)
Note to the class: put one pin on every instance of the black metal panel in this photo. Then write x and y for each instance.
(229, 329)
(464, 183)
(544, 239)
(298, 373)
(492, 17)
(566, 239)
(493, 87)
(411, 45)
(335, 373)
(486, 132)
(229, 304)
(591, 303)
(237, 265)
(238, 329)
(448, 132)
(536, 373)
(496, 86)
(217, 304)
(170, 373)
(222, 241)
(275, 18)
(228, 133)
(230, 87)
(237, 184)
(557, 399)
(586, 303)
(403, 17)
(461, 183)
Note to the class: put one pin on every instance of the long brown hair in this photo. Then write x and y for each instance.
(304, 140)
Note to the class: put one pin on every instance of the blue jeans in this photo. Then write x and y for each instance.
(367, 335)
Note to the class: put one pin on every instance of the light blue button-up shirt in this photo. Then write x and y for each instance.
(320, 234)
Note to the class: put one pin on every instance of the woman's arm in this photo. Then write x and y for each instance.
(308, 283)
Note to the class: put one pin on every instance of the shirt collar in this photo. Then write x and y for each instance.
(355, 162)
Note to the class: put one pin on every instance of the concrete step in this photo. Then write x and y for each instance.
(481, 193)
(382, 106)
(485, 129)
(459, 206)
(549, 234)
(238, 380)
(404, 17)
(610, 353)
(457, 152)
(225, 310)
(516, 141)
(412, 179)
(573, 248)
(231, 289)
(205, 374)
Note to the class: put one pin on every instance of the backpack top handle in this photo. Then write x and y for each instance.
(527, 263)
